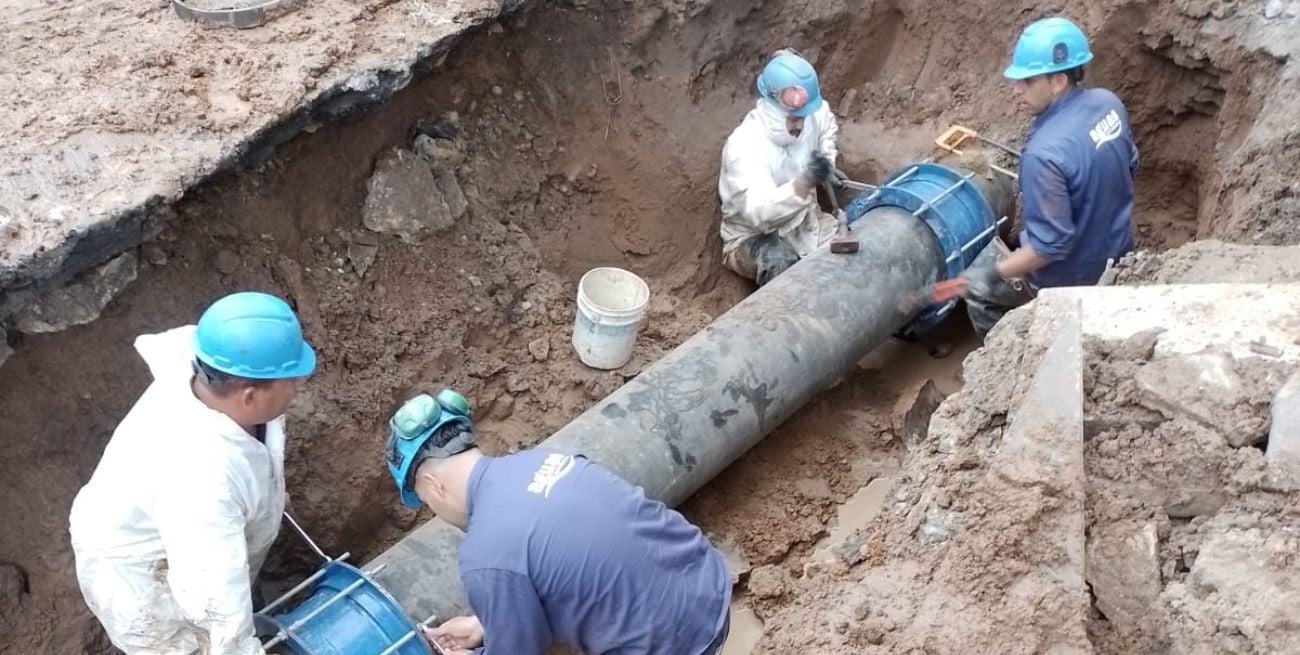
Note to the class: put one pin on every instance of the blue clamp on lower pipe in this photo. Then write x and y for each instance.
(346, 613)
(954, 207)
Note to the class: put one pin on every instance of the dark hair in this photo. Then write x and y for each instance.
(436, 446)
(222, 383)
(1074, 75)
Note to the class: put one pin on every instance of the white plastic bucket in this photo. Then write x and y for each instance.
(611, 304)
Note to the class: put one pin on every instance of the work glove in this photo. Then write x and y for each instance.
(980, 281)
(983, 279)
(837, 179)
(818, 170)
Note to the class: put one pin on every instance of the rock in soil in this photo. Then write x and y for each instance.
(79, 302)
(226, 262)
(404, 198)
(363, 248)
(540, 348)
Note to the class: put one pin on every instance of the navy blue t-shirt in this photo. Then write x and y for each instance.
(560, 550)
(1076, 186)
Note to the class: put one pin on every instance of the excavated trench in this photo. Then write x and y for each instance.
(589, 136)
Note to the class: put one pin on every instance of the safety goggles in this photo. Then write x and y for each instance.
(423, 413)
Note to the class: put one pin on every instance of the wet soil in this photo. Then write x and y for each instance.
(590, 137)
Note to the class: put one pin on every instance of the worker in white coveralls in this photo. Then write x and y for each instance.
(180, 513)
(772, 165)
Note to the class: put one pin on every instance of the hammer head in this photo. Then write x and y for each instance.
(844, 244)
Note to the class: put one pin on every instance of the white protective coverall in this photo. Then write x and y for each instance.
(760, 162)
(178, 517)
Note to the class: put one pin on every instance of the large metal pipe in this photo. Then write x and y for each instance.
(684, 419)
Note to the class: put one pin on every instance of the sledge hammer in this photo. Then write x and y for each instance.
(842, 243)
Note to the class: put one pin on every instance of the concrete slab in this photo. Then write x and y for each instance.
(1040, 442)
(1245, 320)
(137, 126)
(1042, 448)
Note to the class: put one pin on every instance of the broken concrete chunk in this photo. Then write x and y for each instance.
(79, 302)
(404, 198)
(1245, 575)
(949, 434)
(1262, 347)
(937, 527)
(1124, 573)
(1275, 9)
(1284, 434)
(1204, 387)
(1141, 346)
(1186, 476)
(912, 412)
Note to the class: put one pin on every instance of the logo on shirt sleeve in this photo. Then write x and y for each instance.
(552, 470)
(1107, 129)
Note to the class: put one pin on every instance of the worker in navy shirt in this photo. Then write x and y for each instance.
(1076, 178)
(557, 549)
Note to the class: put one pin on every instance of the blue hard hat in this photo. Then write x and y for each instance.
(253, 335)
(1050, 45)
(413, 425)
(790, 82)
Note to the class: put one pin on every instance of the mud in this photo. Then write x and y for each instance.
(590, 136)
(933, 571)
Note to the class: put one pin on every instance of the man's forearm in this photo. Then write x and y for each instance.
(1024, 260)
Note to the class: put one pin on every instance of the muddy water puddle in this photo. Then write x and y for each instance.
(853, 516)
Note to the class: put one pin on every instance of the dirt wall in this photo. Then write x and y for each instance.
(590, 134)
